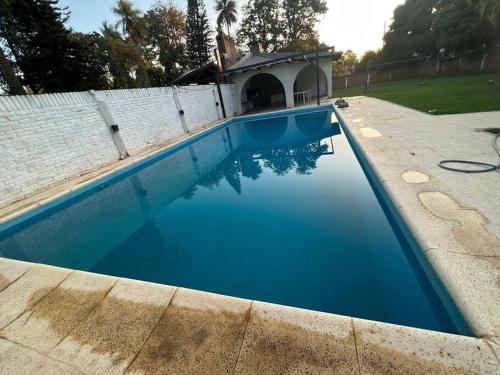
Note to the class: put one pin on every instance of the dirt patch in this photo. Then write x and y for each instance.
(4, 282)
(192, 341)
(377, 359)
(62, 308)
(277, 347)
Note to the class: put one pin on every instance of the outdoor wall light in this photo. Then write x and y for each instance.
(115, 128)
(181, 112)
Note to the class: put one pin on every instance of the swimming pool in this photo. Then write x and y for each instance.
(275, 208)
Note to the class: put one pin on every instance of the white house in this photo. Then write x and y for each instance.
(269, 80)
(263, 80)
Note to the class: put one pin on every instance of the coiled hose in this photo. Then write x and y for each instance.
(484, 167)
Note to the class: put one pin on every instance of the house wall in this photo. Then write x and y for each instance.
(287, 73)
(46, 139)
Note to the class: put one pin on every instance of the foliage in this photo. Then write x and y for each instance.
(369, 58)
(458, 27)
(489, 10)
(134, 30)
(131, 21)
(9, 81)
(282, 25)
(425, 27)
(92, 59)
(299, 23)
(462, 94)
(123, 57)
(50, 57)
(198, 34)
(227, 13)
(166, 26)
(261, 22)
(346, 63)
(411, 32)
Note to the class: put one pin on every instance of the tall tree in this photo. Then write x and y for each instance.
(198, 34)
(261, 21)
(133, 26)
(131, 21)
(123, 57)
(227, 13)
(167, 36)
(300, 18)
(14, 85)
(42, 48)
(411, 32)
(459, 28)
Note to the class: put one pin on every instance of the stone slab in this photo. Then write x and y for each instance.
(25, 292)
(108, 340)
(15, 359)
(48, 322)
(199, 333)
(283, 340)
(391, 349)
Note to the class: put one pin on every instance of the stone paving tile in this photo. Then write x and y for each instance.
(10, 270)
(199, 333)
(473, 283)
(390, 349)
(108, 340)
(55, 316)
(283, 340)
(24, 293)
(15, 359)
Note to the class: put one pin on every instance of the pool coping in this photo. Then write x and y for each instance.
(384, 341)
(264, 338)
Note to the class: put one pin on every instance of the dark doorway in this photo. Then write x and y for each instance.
(262, 91)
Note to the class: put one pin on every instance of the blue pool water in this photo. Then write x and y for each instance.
(276, 210)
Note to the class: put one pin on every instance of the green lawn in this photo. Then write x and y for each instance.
(461, 94)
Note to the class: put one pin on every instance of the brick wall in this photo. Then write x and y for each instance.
(46, 139)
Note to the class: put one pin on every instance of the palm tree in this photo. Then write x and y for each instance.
(131, 21)
(227, 13)
(109, 30)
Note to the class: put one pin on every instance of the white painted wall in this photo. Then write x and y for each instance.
(287, 73)
(46, 139)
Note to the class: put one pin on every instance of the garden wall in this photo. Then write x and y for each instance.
(46, 139)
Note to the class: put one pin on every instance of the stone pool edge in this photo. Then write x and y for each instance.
(264, 338)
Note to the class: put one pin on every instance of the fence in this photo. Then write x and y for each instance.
(471, 63)
(49, 138)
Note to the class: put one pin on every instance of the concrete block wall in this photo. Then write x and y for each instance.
(46, 139)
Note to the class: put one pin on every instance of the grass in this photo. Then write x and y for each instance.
(442, 95)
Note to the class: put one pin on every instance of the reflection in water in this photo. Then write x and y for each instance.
(276, 210)
(279, 148)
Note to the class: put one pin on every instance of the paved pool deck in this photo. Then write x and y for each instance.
(55, 320)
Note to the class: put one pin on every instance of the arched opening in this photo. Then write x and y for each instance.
(262, 91)
(305, 89)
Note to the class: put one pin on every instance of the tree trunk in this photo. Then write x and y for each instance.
(13, 82)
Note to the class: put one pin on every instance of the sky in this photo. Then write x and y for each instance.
(348, 24)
